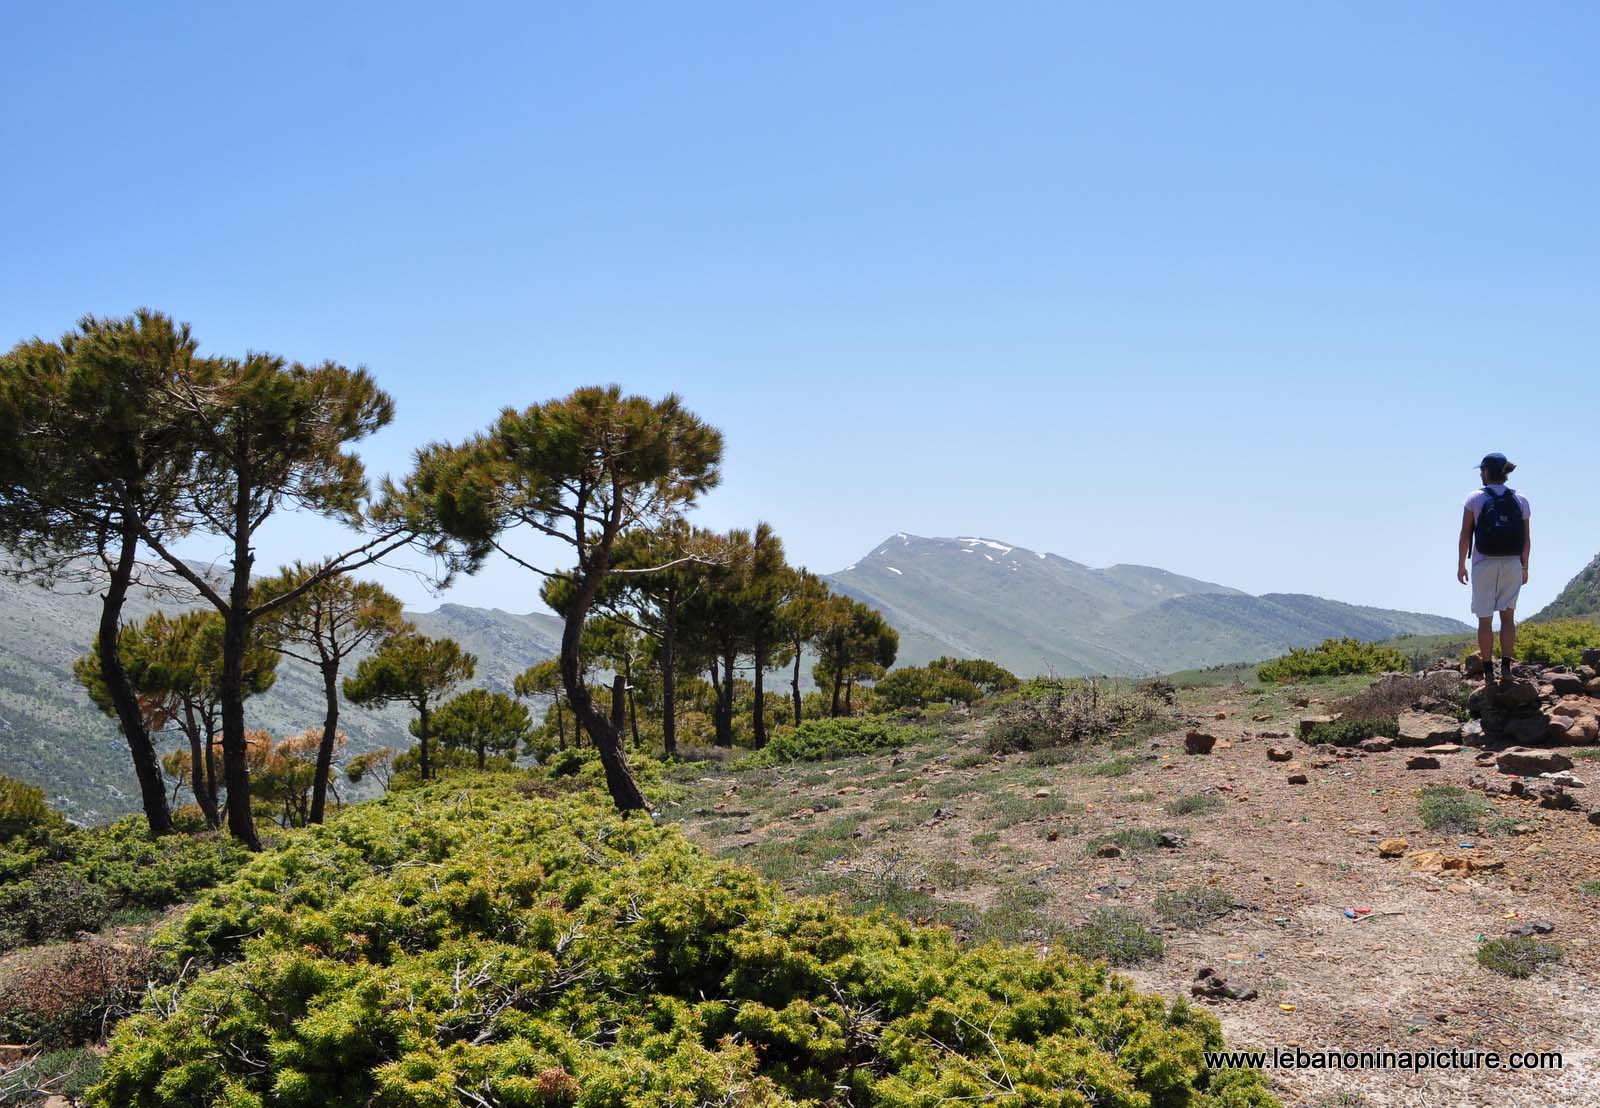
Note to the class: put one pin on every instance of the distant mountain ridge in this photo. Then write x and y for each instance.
(1035, 612)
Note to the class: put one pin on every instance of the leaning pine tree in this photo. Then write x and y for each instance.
(585, 469)
(94, 457)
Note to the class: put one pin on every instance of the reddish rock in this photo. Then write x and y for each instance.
(1278, 754)
(1298, 779)
(1198, 742)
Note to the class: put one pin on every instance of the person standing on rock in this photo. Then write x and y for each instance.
(1495, 534)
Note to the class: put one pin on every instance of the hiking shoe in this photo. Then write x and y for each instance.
(1505, 667)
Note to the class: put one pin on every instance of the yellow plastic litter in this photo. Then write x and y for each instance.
(1287, 1007)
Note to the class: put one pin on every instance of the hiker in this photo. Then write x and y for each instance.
(1494, 531)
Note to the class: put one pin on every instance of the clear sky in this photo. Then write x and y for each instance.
(1238, 290)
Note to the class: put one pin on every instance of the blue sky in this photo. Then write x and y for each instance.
(1238, 290)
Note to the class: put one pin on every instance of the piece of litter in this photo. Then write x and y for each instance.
(1511, 915)
(1465, 846)
(1362, 911)
(1286, 1007)
(1350, 913)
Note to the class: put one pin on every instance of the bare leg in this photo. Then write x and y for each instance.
(1508, 633)
(1486, 640)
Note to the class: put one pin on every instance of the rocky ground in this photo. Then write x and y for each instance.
(1278, 861)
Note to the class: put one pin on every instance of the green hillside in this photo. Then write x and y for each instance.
(1581, 597)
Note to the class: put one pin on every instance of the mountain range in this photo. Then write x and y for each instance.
(1036, 612)
(970, 597)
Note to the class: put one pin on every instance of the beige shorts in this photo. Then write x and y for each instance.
(1495, 585)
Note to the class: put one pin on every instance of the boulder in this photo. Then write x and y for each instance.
(1566, 684)
(1592, 686)
(1594, 817)
(1591, 658)
(1278, 754)
(1555, 798)
(1424, 729)
(1524, 762)
(1514, 694)
(1472, 666)
(1526, 729)
(1564, 778)
(1393, 848)
(1198, 742)
(1376, 746)
(1422, 761)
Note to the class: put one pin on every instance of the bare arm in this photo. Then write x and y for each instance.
(1464, 544)
(1527, 547)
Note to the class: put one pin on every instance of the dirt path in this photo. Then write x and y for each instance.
(969, 830)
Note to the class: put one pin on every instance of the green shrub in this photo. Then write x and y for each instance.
(1349, 732)
(1590, 888)
(1560, 642)
(818, 740)
(74, 879)
(1115, 936)
(552, 951)
(1518, 956)
(1332, 658)
(1195, 804)
(1193, 905)
(1131, 839)
(24, 811)
(1451, 808)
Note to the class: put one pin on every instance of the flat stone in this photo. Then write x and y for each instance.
(1426, 729)
(1564, 779)
(1376, 745)
(1393, 848)
(1278, 754)
(1566, 684)
(1524, 762)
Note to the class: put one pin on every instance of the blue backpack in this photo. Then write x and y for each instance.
(1501, 531)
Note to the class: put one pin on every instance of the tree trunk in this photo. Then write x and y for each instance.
(760, 719)
(330, 732)
(624, 789)
(724, 718)
(794, 685)
(208, 720)
(633, 705)
(482, 756)
(669, 682)
(146, 764)
(230, 689)
(838, 683)
(561, 724)
(849, 687)
(199, 755)
(424, 766)
(619, 702)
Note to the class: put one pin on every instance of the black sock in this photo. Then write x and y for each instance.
(1505, 666)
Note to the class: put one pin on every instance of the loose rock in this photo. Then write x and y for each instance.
(1525, 762)
(1198, 742)
(1278, 754)
(1422, 761)
(1376, 745)
(1426, 729)
(1298, 779)
(1393, 848)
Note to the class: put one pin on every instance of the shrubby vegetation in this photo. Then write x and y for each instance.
(1049, 712)
(818, 740)
(57, 880)
(457, 944)
(943, 681)
(1559, 642)
(1331, 658)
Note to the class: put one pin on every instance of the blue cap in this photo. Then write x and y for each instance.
(1496, 461)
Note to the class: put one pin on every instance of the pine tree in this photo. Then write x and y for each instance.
(412, 669)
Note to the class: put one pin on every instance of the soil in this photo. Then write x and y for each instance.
(1402, 975)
